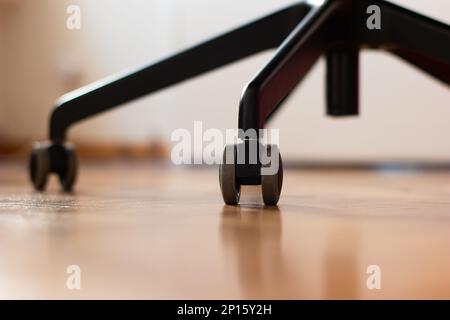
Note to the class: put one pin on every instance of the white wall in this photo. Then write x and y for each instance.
(2, 85)
(405, 114)
(33, 44)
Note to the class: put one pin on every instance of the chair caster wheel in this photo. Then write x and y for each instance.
(272, 182)
(269, 175)
(49, 158)
(68, 168)
(39, 166)
(231, 189)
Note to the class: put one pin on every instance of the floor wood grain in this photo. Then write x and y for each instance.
(145, 231)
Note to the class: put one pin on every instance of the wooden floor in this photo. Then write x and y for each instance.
(142, 231)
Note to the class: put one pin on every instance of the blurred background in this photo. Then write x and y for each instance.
(405, 114)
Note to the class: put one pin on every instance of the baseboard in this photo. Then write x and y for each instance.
(160, 151)
(153, 150)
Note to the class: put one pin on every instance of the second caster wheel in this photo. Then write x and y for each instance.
(272, 181)
(231, 189)
(49, 158)
(68, 168)
(39, 166)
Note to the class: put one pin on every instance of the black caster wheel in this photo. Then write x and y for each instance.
(68, 168)
(231, 189)
(39, 166)
(49, 158)
(272, 183)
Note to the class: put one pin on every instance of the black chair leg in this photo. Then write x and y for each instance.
(260, 35)
(417, 39)
(342, 81)
(291, 62)
(263, 95)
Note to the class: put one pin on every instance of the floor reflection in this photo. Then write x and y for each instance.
(252, 239)
(326, 260)
(341, 273)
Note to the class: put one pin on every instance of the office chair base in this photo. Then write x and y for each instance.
(56, 158)
(302, 32)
